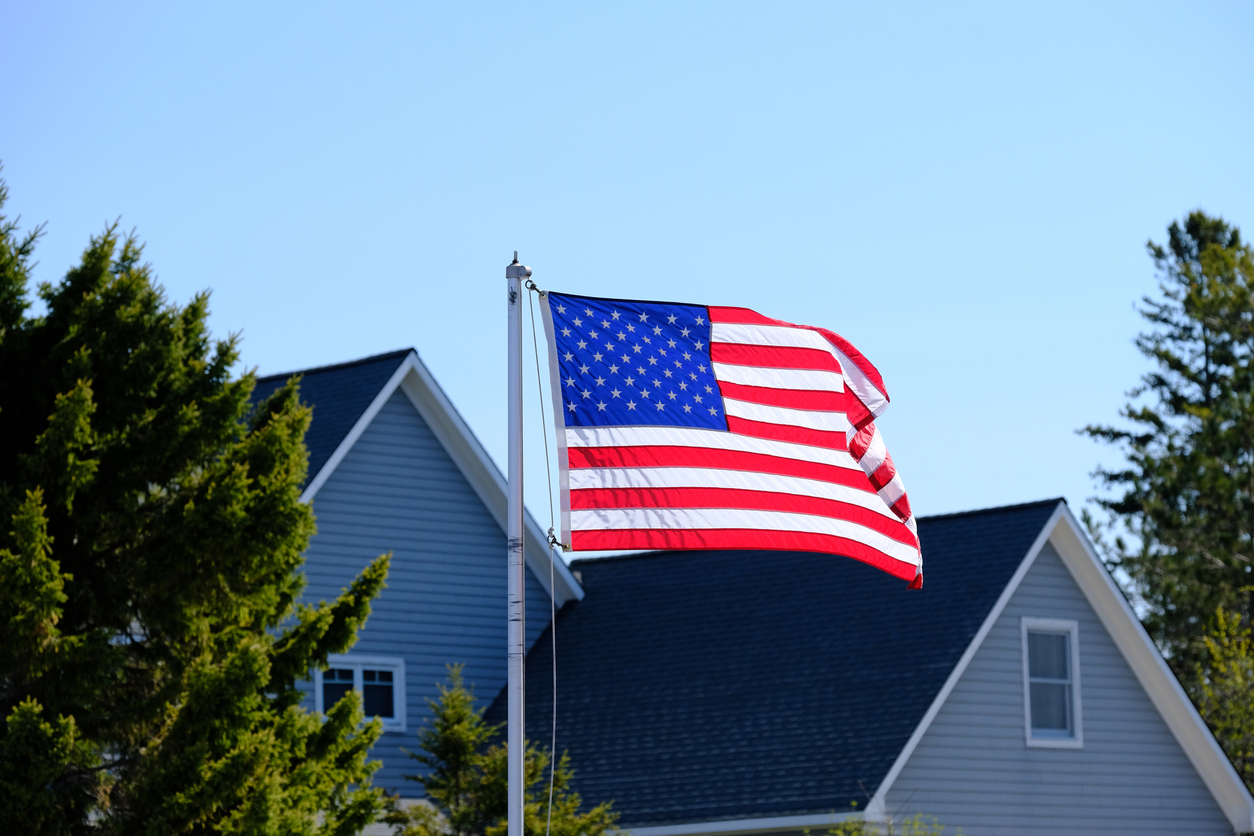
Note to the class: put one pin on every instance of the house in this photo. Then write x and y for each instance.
(394, 468)
(754, 692)
(734, 692)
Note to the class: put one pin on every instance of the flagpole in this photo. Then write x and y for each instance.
(515, 273)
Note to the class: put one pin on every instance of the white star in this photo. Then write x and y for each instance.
(586, 393)
(584, 370)
(671, 343)
(609, 346)
(657, 329)
(647, 340)
(644, 393)
(683, 386)
(662, 351)
(631, 404)
(582, 344)
(701, 367)
(569, 356)
(592, 334)
(687, 408)
(700, 345)
(605, 323)
(596, 355)
(616, 392)
(629, 381)
(693, 376)
(644, 317)
(621, 335)
(631, 328)
(640, 370)
(615, 315)
(708, 389)
(613, 369)
(601, 407)
(671, 395)
(678, 365)
(565, 332)
(671, 319)
(660, 406)
(571, 407)
(570, 381)
(657, 382)
(626, 359)
(588, 311)
(685, 332)
(600, 381)
(652, 361)
(687, 356)
(561, 309)
(578, 321)
(697, 398)
(713, 411)
(637, 348)
(666, 372)
(700, 321)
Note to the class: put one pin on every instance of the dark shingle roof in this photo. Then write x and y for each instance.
(724, 685)
(338, 394)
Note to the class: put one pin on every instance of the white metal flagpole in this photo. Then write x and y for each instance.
(515, 273)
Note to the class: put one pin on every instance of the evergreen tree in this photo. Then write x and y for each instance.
(466, 781)
(1186, 494)
(150, 539)
(1226, 689)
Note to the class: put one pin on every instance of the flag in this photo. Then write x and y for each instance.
(700, 427)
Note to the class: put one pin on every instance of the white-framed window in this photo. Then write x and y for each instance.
(379, 679)
(1051, 683)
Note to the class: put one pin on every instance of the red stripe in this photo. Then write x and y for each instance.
(666, 456)
(901, 508)
(791, 398)
(773, 356)
(742, 500)
(787, 432)
(861, 442)
(740, 538)
(884, 473)
(742, 316)
(857, 413)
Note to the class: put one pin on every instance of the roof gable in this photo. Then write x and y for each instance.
(681, 665)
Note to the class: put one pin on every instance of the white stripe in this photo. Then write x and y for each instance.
(893, 491)
(714, 518)
(777, 335)
(712, 439)
(590, 478)
(780, 378)
(875, 454)
(811, 418)
(872, 398)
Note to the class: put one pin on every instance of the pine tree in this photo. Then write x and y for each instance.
(1183, 512)
(150, 540)
(466, 779)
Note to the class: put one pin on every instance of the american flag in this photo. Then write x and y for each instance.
(701, 427)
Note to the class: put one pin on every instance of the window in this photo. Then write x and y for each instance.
(1051, 683)
(380, 679)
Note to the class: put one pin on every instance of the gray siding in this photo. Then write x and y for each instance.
(397, 490)
(972, 769)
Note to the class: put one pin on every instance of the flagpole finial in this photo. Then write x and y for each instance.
(515, 270)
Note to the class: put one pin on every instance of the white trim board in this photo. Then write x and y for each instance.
(1138, 650)
(417, 383)
(759, 825)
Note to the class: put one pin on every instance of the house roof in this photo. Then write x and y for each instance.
(728, 685)
(346, 397)
(338, 394)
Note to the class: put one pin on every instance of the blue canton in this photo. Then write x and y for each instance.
(626, 363)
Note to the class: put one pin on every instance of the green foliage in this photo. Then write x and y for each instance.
(916, 825)
(466, 779)
(1225, 685)
(1186, 494)
(151, 536)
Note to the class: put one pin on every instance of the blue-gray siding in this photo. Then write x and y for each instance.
(973, 770)
(398, 490)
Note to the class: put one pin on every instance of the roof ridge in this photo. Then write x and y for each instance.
(398, 353)
(996, 509)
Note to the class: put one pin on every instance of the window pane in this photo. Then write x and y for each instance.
(338, 675)
(332, 691)
(1047, 656)
(1051, 708)
(378, 693)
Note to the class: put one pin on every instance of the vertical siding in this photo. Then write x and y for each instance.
(973, 770)
(397, 490)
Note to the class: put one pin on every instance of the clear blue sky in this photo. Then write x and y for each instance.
(964, 191)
